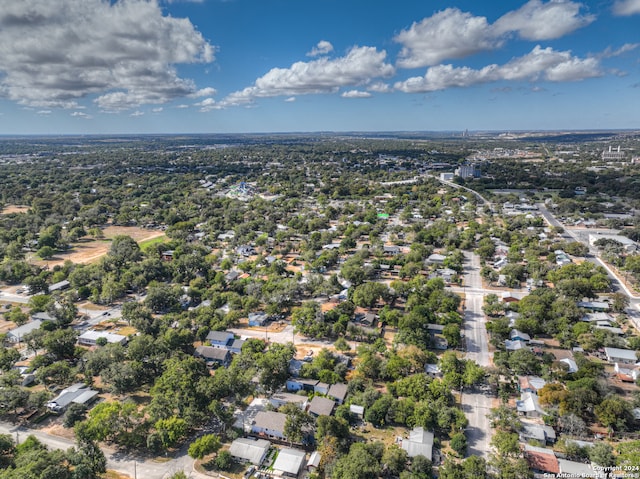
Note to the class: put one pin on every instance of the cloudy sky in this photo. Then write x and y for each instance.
(214, 66)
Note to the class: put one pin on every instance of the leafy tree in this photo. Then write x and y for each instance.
(171, 430)
(8, 357)
(394, 459)
(296, 423)
(506, 443)
(61, 343)
(360, 463)
(74, 413)
(602, 454)
(273, 365)
(613, 413)
(223, 461)
(368, 294)
(124, 250)
(459, 443)
(204, 445)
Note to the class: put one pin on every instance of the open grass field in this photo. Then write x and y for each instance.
(89, 250)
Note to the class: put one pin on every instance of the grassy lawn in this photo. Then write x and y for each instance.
(146, 244)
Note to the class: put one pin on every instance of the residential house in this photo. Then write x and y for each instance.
(59, 286)
(236, 346)
(508, 297)
(90, 338)
(611, 329)
(516, 335)
(220, 339)
(357, 411)
(577, 469)
(623, 356)
(436, 258)
(214, 356)
(530, 384)
(280, 399)
(16, 334)
(368, 319)
(321, 406)
(529, 405)
(541, 460)
(600, 306)
(42, 316)
(78, 393)
(572, 365)
(314, 461)
(514, 345)
(167, 255)
(252, 451)
(419, 443)
(270, 424)
(391, 250)
(626, 374)
(596, 317)
(289, 462)
(258, 319)
(447, 274)
(301, 384)
(538, 432)
(338, 392)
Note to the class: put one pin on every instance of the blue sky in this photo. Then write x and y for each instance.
(225, 66)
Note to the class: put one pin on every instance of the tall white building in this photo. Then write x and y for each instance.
(613, 154)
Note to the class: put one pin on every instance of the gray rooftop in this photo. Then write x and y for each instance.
(289, 461)
(251, 450)
(419, 443)
(321, 406)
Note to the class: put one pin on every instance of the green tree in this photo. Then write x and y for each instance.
(204, 445)
(506, 443)
(171, 430)
(394, 459)
(459, 443)
(360, 463)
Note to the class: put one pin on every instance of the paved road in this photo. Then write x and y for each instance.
(118, 461)
(476, 403)
(634, 300)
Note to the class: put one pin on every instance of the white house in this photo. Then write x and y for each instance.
(289, 462)
(624, 356)
(419, 443)
(90, 338)
(250, 450)
(270, 424)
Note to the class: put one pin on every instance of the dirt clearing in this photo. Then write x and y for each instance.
(89, 250)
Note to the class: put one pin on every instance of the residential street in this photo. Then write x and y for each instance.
(135, 467)
(476, 403)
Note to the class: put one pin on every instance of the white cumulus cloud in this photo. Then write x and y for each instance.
(322, 48)
(452, 34)
(447, 34)
(540, 64)
(356, 94)
(543, 21)
(81, 114)
(626, 7)
(52, 54)
(291, 99)
(358, 67)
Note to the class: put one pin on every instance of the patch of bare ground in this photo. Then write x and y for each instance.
(88, 250)
(7, 210)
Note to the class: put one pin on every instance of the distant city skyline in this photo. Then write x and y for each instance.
(241, 66)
